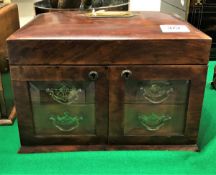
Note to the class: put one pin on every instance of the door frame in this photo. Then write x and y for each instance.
(195, 73)
(20, 76)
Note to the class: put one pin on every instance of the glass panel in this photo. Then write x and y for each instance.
(156, 92)
(155, 107)
(63, 108)
(154, 120)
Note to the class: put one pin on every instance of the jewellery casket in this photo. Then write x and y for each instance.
(90, 83)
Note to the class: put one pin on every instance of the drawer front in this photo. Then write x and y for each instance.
(61, 105)
(63, 92)
(156, 92)
(151, 120)
(63, 108)
(155, 104)
(60, 120)
(155, 107)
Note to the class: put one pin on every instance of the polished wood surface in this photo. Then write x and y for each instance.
(69, 148)
(106, 41)
(108, 52)
(142, 26)
(25, 113)
(71, 45)
(9, 22)
(196, 75)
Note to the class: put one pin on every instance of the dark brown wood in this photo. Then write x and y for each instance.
(195, 74)
(9, 20)
(71, 45)
(63, 148)
(45, 73)
(82, 45)
(108, 52)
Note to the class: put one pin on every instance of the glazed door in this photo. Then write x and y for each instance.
(61, 105)
(155, 104)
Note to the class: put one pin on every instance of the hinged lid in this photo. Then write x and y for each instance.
(75, 38)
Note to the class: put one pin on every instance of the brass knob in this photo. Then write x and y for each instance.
(93, 75)
(126, 74)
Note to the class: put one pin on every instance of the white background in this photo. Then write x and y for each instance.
(144, 5)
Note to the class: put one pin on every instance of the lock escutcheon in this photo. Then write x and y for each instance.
(93, 75)
(126, 74)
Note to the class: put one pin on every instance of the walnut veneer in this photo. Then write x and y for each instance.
(85, 83)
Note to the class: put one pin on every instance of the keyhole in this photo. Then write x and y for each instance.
(126, 74)
(93, 75)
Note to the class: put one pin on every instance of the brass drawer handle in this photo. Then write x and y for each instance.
(126, 74)
(66, 122)
(156, 92)
(153, 122)
(93, 75)
(64, 94)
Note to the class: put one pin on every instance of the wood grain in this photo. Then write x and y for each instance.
(195, 74)
(10, 20)
(63, 148)
(66, 46)
(106, 41)
(24, 104)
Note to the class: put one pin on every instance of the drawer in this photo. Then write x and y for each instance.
(181, 4)
(61, 120)
(63, 107)
(156, 92)
(174, 11)
(62, 92)
(172, 113)
(151, 120)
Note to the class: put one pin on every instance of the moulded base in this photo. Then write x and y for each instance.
(68, 148)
